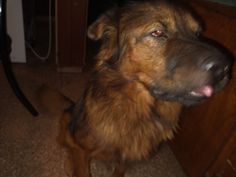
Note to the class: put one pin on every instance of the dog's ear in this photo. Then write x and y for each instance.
(103, 26)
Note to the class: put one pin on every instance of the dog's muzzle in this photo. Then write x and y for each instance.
(211, 74)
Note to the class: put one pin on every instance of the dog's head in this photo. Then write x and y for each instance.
(157, 43)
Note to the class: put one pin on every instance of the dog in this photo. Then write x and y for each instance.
(151, 63)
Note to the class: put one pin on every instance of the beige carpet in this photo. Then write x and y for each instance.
(28, 146)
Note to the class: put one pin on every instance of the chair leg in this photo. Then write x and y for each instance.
(15, 87)
(5, 50)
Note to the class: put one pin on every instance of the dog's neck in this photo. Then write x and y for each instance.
(133, 92)
(169, 113)
(125, 108)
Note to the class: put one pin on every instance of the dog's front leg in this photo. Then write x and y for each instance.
(81, 162)
(119, 170)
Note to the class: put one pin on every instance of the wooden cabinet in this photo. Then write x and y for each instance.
(225, 164)
(71, 27)
(206, 142)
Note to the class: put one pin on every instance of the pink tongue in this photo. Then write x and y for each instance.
(205, 91)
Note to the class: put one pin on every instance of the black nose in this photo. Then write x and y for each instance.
(218, 66)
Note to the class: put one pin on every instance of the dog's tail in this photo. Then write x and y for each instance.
(52, 101)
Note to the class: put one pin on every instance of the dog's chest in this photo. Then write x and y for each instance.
(130, 121)
(133, 135)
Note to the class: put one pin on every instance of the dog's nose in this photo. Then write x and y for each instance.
(218, 66)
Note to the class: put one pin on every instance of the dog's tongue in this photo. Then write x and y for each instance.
(206, 91)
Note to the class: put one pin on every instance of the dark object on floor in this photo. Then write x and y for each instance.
(5, 47)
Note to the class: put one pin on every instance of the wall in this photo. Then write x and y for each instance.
(15, 29)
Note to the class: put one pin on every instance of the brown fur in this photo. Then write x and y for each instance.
(120, 117)
(122, 120)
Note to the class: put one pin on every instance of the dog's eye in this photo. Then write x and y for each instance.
(158, 33)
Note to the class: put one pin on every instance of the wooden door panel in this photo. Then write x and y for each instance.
(225, 164)
(71, 28)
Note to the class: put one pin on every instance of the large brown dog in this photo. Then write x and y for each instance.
(151, 62)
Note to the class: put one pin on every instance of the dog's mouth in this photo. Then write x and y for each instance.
(189, 97)
(208, 90)
(197, 94)
(204, 91)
